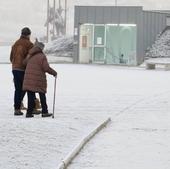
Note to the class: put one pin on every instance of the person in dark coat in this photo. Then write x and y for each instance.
(18, 53)
(35, 78)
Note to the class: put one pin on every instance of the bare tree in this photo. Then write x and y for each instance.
(56, 18)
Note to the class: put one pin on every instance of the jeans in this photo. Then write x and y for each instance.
(19, 93)
(31, 102)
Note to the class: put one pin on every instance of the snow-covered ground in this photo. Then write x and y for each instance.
(5, 54)
(136, 99)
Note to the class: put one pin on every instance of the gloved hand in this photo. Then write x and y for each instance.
(55, 75)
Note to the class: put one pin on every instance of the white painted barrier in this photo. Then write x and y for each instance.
(82, 143)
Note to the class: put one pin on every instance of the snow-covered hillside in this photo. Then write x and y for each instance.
(61, 47)
(161, 47)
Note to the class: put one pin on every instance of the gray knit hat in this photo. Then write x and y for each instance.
(39, 44)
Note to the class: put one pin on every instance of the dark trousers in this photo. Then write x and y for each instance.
(31, 102)
(19, 93)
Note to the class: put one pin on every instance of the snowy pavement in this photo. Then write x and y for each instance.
(136, 99)
(5, 54)
(138, 138)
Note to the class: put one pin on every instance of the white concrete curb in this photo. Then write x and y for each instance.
(82, 143)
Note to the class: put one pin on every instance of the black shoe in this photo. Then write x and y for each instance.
(18, 113)
(36, 112)
(46, 114)
(29, 115)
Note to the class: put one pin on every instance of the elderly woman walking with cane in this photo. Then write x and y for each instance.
(35, 78)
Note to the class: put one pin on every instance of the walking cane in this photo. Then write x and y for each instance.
(54, 96)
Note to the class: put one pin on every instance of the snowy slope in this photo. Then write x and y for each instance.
(61, 47)
(161, 47)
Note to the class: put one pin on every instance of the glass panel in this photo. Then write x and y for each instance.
(98, 54)
(112, 44)
(128, 45)
(121, 44)
(86, 41)
(99, 35)
(99, 43)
